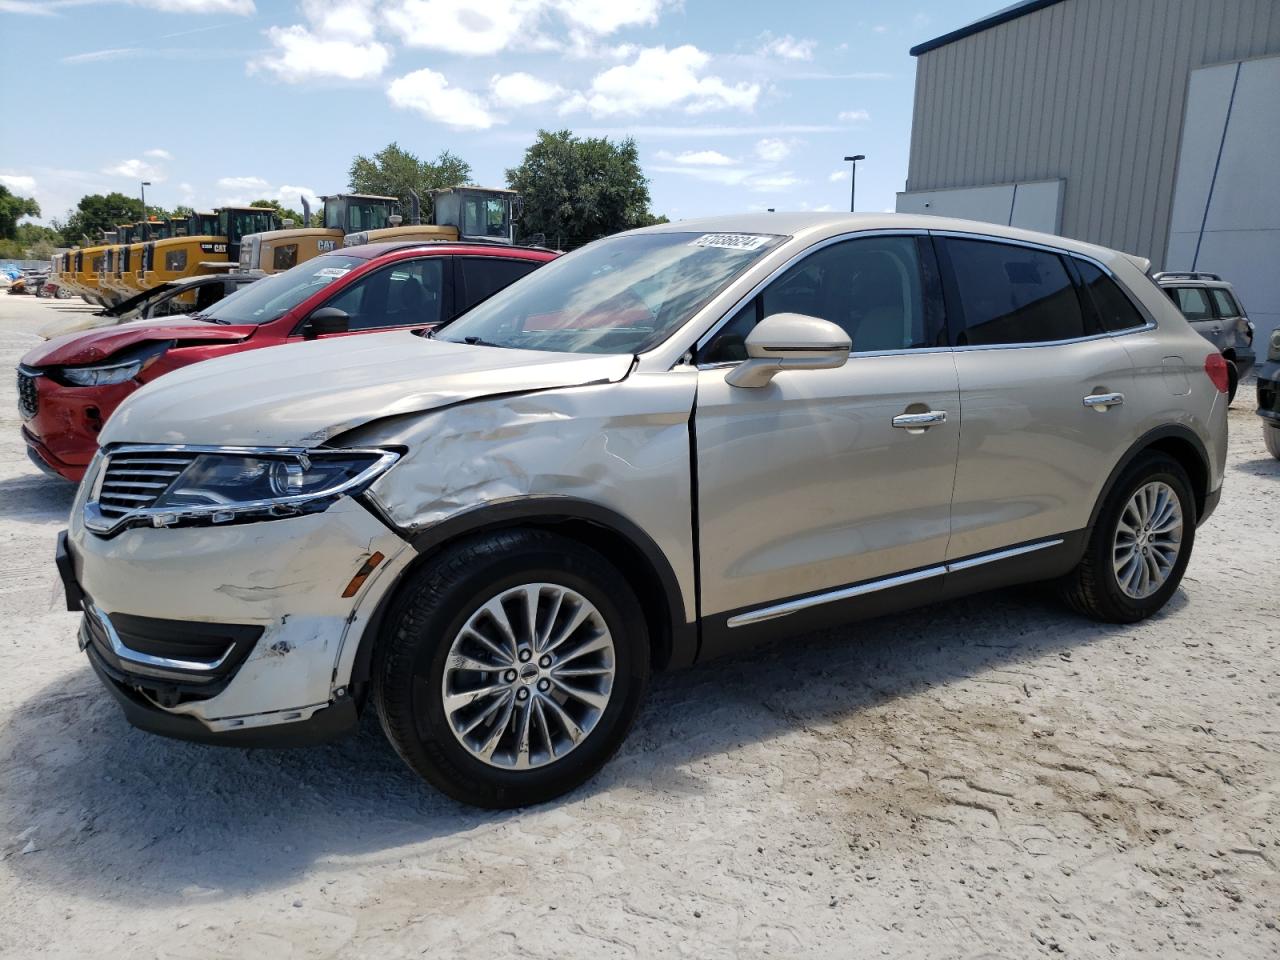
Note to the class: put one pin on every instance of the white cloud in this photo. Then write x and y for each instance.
(771, 182)
(136, 169)
(158, 154)
(473, 28)
(19, 183)
(663, 79)
(698, 158)
(773, 150)
(301, 55)
(521, 90)
(186, 194)
(97, 56)
(254, 185)
(835, 176)
(430, 94)
(754, 180)
(352, 20)
(290, 196)
(606, 16)
(787, 47)
(51, 7)
(880, 28)
(853, 116)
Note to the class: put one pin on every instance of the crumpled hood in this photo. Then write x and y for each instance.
(91, 346)
(299, 395)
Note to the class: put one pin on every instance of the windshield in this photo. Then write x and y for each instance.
(265, 300)
(623, 294)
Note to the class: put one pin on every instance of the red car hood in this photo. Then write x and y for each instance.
(90, 346)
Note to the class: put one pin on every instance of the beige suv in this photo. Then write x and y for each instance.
(666, 446)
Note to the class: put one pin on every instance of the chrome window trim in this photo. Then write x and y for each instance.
(787, 607)
(94, 520)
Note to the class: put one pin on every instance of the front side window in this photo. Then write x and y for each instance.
(270, 298)
(409, 293)
(1226, 303)
(484, 217)
(1193, 302)
(1010, 294)
(1115, 310)
(622, 294)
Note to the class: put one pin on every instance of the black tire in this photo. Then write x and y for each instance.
(1271, 437)
(429, 612)
(1233, 381)
(1093, 588)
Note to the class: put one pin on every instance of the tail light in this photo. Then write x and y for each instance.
(1215, 366)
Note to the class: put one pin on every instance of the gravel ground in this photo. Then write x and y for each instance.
(992, 778)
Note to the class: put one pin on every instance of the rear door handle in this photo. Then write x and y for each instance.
(1104, 400)
(916, 421)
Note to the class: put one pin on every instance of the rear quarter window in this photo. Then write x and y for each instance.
(1114, 308)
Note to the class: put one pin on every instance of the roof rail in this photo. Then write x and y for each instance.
(1185, 275)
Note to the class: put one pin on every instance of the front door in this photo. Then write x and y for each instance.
(827, 478)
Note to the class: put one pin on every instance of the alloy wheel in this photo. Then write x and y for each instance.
(1148, 539)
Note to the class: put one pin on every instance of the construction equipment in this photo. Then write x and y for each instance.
(466, 213)
(344, 213)
(210, 243)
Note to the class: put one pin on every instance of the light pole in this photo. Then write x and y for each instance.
(146, 224)
(853, 180)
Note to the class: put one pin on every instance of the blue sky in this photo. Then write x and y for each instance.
(735, 105)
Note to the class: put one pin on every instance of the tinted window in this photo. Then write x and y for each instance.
(1011, 294)
(1225, 302)
(408, 293)
(484, 276)
(1193, 302)
(730, 343)
(1115, 310)
(868, 287)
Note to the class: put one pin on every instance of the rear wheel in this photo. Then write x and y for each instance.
(1139, 546)
(513, 668)
(1271, 437)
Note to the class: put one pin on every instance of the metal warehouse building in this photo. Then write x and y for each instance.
(1151, 126)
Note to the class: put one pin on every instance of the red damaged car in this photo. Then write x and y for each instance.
(68, 387)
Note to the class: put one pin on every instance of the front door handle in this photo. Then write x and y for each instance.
(1104, 400)
(918, 421)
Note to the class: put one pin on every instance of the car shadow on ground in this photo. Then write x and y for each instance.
(161, 821)
(36, 497)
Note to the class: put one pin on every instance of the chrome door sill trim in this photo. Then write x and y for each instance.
(847, 593)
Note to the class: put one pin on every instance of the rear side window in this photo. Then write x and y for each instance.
(1193, 302)
(1225, 302)
(1115, 310)
(484, 276)
(1009, 295)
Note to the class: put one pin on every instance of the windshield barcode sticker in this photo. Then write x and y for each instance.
(333, 272)
(731, 241)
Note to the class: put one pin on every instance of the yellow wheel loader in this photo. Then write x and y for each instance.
(469, 214)
(344, 213)
(210, 244)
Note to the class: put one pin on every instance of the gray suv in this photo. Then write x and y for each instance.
(666, 446)
(1212, 308)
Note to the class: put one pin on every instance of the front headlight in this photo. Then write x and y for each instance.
(215, 485)
(239, 480)
(122, 367)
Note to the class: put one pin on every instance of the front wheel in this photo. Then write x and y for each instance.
(512, 667)
(1139, 546)
(1271, 437)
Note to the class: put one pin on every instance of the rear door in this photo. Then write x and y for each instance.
(1042, 390)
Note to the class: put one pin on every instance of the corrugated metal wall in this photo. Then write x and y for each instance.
(1091, 91)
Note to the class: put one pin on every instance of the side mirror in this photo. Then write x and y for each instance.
(326, 320)
(789, 341)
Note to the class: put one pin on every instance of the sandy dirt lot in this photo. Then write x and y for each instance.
(990, 779)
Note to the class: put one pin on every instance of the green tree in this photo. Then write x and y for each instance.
(393, 172)
(96, 213)
(285, 212)
(577, 190)
(12, 209)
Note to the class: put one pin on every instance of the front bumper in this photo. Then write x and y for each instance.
(63, 428)
(1269, 391)
(232, 634)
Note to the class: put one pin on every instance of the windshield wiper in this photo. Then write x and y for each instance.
(478, 342)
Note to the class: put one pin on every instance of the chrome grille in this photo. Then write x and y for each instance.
(28, 395)
(134, 481)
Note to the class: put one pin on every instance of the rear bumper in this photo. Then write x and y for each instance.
(1269, 391)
